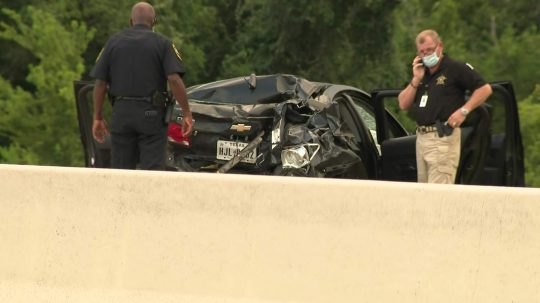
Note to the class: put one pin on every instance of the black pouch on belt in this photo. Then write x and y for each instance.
(159, 99)
(168, 104)
(169, 108)
(443, 129)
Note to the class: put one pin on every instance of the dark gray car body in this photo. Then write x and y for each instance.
(303, 128)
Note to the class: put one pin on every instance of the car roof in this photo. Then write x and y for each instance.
(268, 89)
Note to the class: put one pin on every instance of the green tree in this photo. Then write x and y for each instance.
(104, 17)
(514, 57)
(529, 111)
(13, 58)
(196, 30)
(333, 41)
(41, 125)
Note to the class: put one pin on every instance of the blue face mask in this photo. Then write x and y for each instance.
(431, 60)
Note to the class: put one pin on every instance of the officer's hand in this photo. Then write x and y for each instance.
(456, 119)
(418, 68)
(187, 125)
(100, 130)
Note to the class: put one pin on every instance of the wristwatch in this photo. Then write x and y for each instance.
(464, 111)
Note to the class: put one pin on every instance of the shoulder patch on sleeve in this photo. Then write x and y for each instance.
(99, 55)
(177, 52)
(469, 65)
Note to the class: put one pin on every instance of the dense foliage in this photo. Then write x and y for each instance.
(45, 45)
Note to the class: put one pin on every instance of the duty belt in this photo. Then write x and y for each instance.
(424, 129)
(139, 99)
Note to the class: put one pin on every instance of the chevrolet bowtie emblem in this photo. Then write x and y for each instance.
(241, 127)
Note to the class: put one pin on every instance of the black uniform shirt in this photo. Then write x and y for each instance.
(137, 61)
(445, 91)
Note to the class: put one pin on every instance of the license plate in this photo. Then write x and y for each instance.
(226, 150)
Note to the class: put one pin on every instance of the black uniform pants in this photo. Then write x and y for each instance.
(138, 135)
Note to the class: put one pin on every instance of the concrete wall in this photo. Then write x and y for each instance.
(89, 235)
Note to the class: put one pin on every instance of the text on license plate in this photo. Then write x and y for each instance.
(226, 150)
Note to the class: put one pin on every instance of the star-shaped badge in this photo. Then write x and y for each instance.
(440, 80)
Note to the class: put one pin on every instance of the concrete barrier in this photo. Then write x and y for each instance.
(90, 235)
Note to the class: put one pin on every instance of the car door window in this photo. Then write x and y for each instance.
(391, 105)
(365, 111)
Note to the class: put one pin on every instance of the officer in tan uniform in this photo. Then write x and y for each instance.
(436, 93)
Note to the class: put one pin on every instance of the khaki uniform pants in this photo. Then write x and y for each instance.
(437, 159)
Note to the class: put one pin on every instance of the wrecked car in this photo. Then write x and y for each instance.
(286, 125)
(301, 130)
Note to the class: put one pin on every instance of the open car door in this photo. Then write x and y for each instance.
(504, 160)
(492, 151)
(95, 154)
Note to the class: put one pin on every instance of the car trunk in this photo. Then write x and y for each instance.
(220, 132)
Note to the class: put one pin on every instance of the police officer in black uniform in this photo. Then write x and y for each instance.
(134, 67)
(436, 98)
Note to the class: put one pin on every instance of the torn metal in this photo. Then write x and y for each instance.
(304, 133)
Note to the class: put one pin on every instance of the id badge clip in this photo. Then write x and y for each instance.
(423, 100)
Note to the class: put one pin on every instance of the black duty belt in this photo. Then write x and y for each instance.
(442, 129)
(424, 129)
(138, 99)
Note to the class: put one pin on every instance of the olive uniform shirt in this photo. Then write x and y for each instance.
(445, 91)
